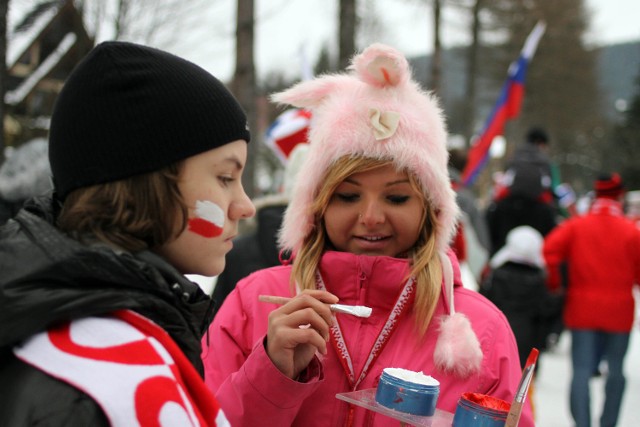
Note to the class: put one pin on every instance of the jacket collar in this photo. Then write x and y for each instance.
(47, 276)
(374, 281)
(605, 205)
(353, 277)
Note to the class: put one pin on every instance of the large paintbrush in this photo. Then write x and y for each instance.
(521, 394)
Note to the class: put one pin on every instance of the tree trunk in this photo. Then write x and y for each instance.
(244, 85)
(120, 24)
(472, 69)
(436, 65)
(347, 32)
(4, 10)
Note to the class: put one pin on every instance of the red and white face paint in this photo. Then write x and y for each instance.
(208, 220)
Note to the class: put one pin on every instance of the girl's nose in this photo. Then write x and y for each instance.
(242, 207)
(372, 214)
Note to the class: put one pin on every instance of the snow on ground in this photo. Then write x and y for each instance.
(551, 393)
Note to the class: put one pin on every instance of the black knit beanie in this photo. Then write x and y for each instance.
(128, 109)
(537, 135)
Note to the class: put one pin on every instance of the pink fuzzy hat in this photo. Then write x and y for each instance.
(376, 111)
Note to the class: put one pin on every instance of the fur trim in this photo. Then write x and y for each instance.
(341, 106)
(458, 349)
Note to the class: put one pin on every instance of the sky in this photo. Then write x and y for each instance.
(288, 31)
(286, 28)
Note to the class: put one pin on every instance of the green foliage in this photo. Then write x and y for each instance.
(626, 142)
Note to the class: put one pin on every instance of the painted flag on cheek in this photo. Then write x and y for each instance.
(208, 220)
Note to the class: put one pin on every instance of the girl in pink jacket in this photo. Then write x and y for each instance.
(370, 222)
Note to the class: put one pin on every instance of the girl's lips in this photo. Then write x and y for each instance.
(371, 243)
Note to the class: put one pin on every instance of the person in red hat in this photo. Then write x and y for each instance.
(602, 252)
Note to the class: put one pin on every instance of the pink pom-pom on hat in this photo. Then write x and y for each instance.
(458, 350)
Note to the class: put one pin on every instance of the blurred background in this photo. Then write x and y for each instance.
(582, 85)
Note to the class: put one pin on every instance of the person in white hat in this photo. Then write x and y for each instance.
(516, 285)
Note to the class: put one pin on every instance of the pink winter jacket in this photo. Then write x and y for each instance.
(252, 391)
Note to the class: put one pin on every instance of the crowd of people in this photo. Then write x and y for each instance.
(101, 326)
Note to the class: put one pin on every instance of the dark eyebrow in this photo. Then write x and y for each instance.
(389, 184)
(235, 161)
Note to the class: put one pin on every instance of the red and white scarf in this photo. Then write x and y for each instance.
(603, 205)
(130, 366)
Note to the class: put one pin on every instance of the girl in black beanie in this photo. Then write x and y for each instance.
(99, 325)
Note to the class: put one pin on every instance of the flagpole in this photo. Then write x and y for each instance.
(507, 107)
(531, 45)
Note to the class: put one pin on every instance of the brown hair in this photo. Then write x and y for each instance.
(141, 212)
(425, 265)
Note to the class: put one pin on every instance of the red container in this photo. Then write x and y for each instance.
(480, 410)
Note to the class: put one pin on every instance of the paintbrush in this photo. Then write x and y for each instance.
(355, 310)
(521, 394)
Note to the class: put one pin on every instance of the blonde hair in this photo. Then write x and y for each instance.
(141, 212)
(425, 263)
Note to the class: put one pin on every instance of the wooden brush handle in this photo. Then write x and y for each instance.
(514, 415)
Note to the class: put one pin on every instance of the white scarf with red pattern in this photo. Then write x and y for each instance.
(129, 366)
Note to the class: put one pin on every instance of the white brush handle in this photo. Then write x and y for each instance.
(354, 310)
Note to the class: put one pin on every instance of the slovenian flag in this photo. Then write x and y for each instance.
(507, 107)
(288, 130)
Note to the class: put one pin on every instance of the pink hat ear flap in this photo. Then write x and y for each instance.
(457, 350)
(309, 94)
(447, 282)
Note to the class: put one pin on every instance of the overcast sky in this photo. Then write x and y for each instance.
(285, 28)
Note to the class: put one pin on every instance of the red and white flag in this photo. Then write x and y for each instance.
(288, 130)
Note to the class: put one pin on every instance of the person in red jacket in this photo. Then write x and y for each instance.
(602, 251)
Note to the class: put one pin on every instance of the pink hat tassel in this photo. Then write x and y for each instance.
(458, 349)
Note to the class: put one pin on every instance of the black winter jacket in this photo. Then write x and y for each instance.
(531, 171)
(47, 277)
(506, 214)
(519, 291)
